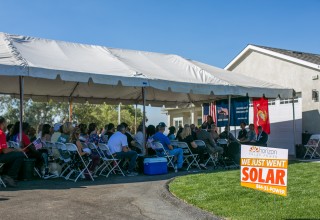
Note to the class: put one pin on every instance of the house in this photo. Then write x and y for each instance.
(292, 69)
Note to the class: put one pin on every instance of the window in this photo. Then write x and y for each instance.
(287, 101)
(272, 102)
(315, 95)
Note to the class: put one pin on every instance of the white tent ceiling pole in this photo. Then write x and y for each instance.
(229, 113)
(144, 117)
(21, 88)
(294, 126)
(135, 119)
(119, 113)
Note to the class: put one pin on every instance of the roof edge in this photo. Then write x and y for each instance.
(251, 47)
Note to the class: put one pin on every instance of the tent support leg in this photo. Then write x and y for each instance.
(229, 109)
(70, 109)
(144, 117)
(135, 118)
(119, 113)
(21, 88)
(294, 127)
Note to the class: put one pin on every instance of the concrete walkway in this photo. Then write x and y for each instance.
(141, 197)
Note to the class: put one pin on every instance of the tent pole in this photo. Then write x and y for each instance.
(294, 126)
(144, 117)
(135, 119)
(70, 109)
(119, 113)
(21, 87)
(229, 113)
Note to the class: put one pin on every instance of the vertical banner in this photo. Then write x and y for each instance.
(261, 114)
(205, 111)
(264, 169)
(222, 113)
(239, 111)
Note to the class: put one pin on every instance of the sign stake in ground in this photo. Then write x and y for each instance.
(264, 169)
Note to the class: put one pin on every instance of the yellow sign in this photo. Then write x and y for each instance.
(264, 169)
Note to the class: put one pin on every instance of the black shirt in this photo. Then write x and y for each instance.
(242, 134)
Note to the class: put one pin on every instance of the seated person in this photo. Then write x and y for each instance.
(93, 135)
(57, 130)
(75, 139)
(227, 135)
(213, 132)
(251, 136)
(171, 135)
(110, 130)
(186, 136)
(67, 129)
(205, 136)
(83, 132)
(40, 154)
(243, 132)
(262, 137)
(138, 139)
(130, 140)
(12, 158)
(46, 133)
(164, 140)
(193, 131)
(118, 146)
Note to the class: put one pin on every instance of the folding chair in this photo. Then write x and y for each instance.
(166, 154)
(312, 147)
(78, 164)
(1, 181)
(109, 162)
(211, 158)
(188, 156)
(64, 157)
(174, 143)
(16, 145)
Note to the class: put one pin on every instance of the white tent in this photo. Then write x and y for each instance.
(60, 70)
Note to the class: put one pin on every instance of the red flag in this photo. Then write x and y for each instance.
(261, 114)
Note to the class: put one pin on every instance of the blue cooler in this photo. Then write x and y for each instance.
(154, 166)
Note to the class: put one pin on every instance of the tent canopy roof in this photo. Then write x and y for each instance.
(59, 70)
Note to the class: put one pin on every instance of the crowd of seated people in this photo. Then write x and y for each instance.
(123, 145)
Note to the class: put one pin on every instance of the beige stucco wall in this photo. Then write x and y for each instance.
(287, 74)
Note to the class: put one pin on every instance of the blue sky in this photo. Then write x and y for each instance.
(209, 31)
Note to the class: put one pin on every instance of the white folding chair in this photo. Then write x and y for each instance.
(78, 164)
(166, 154)
(109, 162)
(188, 156)
(174, 143)
(64, 157)
(1, 181)
(211, 158)
(312, 147)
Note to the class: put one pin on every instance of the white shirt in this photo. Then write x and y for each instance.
(116, 142)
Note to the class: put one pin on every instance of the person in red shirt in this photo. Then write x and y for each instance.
(12, 158)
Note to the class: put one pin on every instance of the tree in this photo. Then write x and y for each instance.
(36, 113)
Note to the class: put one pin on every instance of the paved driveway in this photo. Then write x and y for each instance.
(141, 197)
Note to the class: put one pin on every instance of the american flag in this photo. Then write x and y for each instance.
(37, 143)
(209, 109)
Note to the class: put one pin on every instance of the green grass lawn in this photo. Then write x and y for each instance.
(221, 194)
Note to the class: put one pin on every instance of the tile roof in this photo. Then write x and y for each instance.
(309, 57)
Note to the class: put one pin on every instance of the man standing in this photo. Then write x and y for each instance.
(262, 137)
(205, 136)
(164, 140)
(13, 158)
(118, 146)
